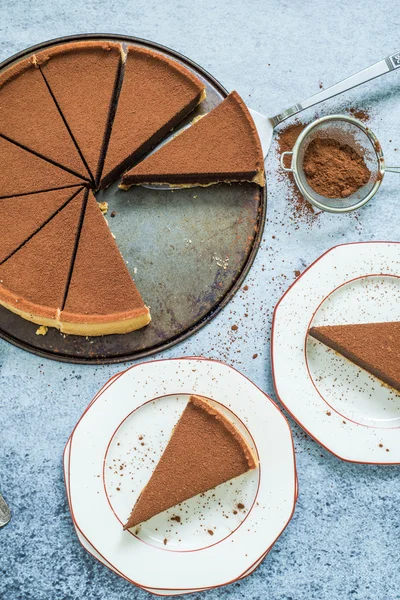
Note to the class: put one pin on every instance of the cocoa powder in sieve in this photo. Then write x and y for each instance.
(334, 170)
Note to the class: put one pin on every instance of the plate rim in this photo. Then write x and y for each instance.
(314, 436)
(295, 478)
(89, 549)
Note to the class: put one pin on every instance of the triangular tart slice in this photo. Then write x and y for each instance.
(222, 146)
(22, 172)
(156, 94)
(30, 117)
(83, 77)
(34, 279)
(102, 297)
(374, 347)
(22, 216)
(204, 450)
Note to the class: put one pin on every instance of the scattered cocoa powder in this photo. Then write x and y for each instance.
(176, 518)
(360, 114)
(234, 327)
(334, 170)
(255, 355)
(210, 531)
(296, 273)
(240, 506)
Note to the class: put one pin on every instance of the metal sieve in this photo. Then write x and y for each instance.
(345, 130)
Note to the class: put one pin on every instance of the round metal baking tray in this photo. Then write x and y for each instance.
(188, 250)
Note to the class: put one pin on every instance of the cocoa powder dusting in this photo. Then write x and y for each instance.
(303, 210)
(334, 170)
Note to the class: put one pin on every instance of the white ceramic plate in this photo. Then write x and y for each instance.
(96, 555)
(348, 411)
(191, 559)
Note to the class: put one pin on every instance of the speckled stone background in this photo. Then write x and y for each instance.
(344, 539)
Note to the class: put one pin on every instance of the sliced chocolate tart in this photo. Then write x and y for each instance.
(22, 172)
(30, 117)
(22, 216)
(102, 297)
(34, 279)
(222, 146)
(83, 77)
(156, 94)
(374, 347)
(204, 450)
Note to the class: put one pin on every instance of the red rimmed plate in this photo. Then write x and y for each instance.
(193, 563)
(348, 411)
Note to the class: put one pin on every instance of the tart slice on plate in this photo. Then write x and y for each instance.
(102, 297)
(222, 146)
(156, 94)
(374, 347)
(204, 451)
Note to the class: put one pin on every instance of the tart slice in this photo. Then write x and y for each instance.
(222, 146)
(34, 279)
(30, 117)
(22, 172)
(156, 94)
(102, 297)
(23, 216)
(204, 450)
(83, 77)
(374, 347)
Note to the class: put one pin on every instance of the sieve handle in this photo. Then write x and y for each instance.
(283, 155)
(380, 68)
(392, 169)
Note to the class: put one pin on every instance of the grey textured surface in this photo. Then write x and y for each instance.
(343, 541)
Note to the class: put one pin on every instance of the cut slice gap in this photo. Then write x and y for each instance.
(204, 451)
(77, 238)
(33, 279)
(22, 217)
(156, 94)
(111, 115)
(29, 116)
(102, 297)
(24, 172)
(374, 347)
(53, 189)
(223, 146)
(82, 77)
(43, 157)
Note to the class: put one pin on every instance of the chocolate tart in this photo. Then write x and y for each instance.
(30, 117)
(156, 94)
(222, 146)
(102, 297)
(33, 281)
(22, 172)
(22, 216)
(204, 450)
(83, 77)
(374, 347)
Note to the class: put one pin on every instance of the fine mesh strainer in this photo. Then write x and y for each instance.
(345, 130)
